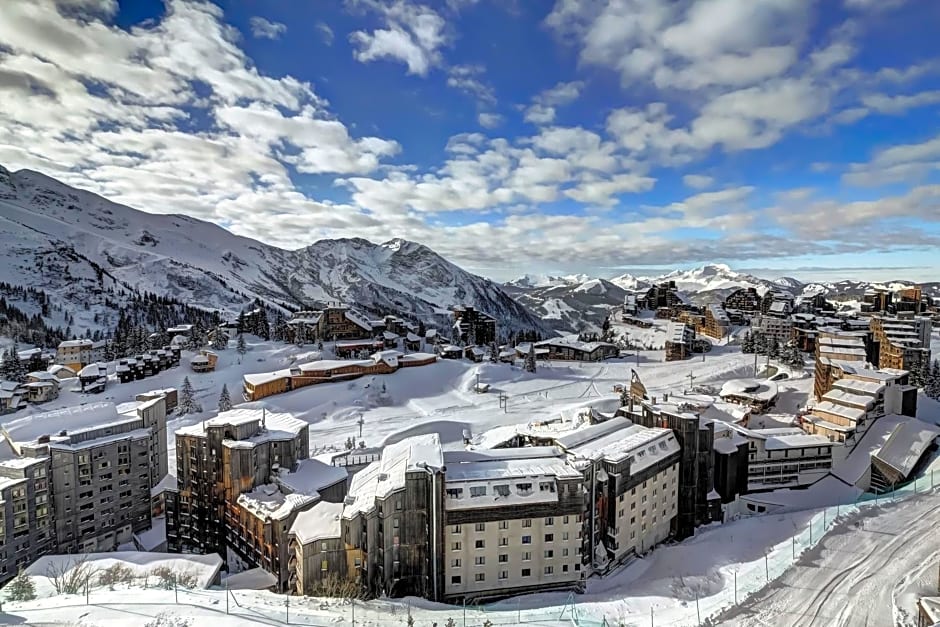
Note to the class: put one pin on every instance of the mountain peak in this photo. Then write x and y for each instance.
(403, 246)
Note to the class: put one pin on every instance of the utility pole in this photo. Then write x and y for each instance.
(691, 380)
(360, 422)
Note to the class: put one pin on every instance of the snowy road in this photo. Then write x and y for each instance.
(868, 571)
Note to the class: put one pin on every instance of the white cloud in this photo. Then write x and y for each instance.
(266, 29)
(326, 33)
(900, 103)
(905, 163)
(413, 35)
(697, 181)
(561, 94)
(539, 114)
(489, 120)
(466, 78)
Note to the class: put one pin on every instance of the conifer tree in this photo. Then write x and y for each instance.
(240, 346)
(225, 401)
(494, 352)
(187, 400)
(932, 386)
(21, 588)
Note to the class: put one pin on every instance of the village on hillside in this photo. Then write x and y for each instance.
(380, 458)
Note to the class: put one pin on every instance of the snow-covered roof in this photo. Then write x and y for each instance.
(797, 440)
(358, 319)
(205, 567)
(310, 475)
(323, 365)
(267, 502)
(749, 388)
(75, 344)
(430, 334)
(278, 425)
(411, 337)
(831, 426)
(779, 306)
(200, 359)
(41, 375)
(850, 413)
(857, 386)
(251, 579)
(180, 328)
(56, 368)
(618, 439)
(320, 522)
(906, 444)
(842, 397)
(93, 370)
(676, 332)
(386, 475)
(719, 314)
(75, 419)
(389, 336)
(260, 378)
(417, 357)
(167, 483)
(306, 317)
(572, 342)
(390, 357)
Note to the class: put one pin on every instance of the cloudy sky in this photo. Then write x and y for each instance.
(544, 136)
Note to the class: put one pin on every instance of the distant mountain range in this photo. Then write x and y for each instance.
(84, 251)
(582, 301)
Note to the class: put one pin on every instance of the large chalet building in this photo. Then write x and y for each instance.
(473, 326)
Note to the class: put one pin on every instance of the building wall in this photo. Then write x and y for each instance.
(780, 468)
(312, 563)
(26, 516)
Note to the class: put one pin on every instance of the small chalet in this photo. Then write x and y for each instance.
(42, 391)
(62, 372)
(180, 329)
(573, 349)
(449, 351)
(205, 361)
(390, 339)
(93, 378)
(474, 353)
(170, 394)
(12, 395)
(412, 342)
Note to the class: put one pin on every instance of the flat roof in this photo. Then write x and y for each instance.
(72, 420)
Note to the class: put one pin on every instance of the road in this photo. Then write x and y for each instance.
(867, 572)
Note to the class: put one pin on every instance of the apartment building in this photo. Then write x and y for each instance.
(832, 350)
(76, 354)
(633, 474)
(86, 484)
(744, 300)
(774, 327)
(317, 553)
(26, 517)
(716, 323)
(219, 459)
(786, 457)
(679, 339)
(474, 326)
(903, 342)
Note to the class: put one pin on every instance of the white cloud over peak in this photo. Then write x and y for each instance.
(489, 120)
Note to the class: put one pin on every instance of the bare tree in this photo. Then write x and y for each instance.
(72, 576)
(115, 574)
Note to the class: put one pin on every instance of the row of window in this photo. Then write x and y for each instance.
(481, 544)
(503, 558)
(504, 574)
(526, 523)
(522, 488)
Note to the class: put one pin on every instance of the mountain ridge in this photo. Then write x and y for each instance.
(85, 250)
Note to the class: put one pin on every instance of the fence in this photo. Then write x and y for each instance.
(272, 609)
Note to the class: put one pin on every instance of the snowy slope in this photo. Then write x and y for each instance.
(79, 246)
(571, 303)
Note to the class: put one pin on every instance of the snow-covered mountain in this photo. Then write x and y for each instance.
(573, 303)
(85, 251)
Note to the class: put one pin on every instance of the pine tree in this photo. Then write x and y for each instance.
(494, 352)
(240, 346)
(225, 401)
(13, 369)
(220, 339)
(422, 331)
(21, 588)
(530, 359)
(747, 343)
(187, 400)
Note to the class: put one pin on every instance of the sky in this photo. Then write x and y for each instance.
(792, 137)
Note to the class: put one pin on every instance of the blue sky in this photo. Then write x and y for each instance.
(598, 136)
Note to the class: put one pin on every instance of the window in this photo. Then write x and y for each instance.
(549, 537)
(524, 488)
(478, 491)
(621, 498)
(395, 522)
(455, 563)
(620, 514)
(454, 546)
(504, 524)
(501, 490)
(564, 552)
(527, 539)
(324, 565)
(479, 560)
(549, 570)
(480, 526)
(479, 577)
(527, 522)
(526, 556)
(633, 505)
(504, 542)
(455, 579)
(549, 521)
(565, 520)
(455, 529)
(526, 572)
(633, 520)
(479, 544)
(504, 574)
(564, 535)
(454, 493)
(643, 500)
(546, 486)
(503, 558)
(549, 554)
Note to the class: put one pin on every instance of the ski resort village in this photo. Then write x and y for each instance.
(672, 466)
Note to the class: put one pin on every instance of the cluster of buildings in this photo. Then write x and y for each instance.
(79, 480)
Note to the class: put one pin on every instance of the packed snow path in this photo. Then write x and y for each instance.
(868, 571)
